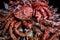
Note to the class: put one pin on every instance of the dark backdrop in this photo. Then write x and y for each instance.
(2, 3)
(55, 3)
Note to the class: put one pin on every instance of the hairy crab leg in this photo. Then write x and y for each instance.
(11, 30)
(2, 19)
(47, 31)
(16, 26)
(43, 4)
(7, 25)
(38, 15)
(56, 34)
(38, 4)
(8, 15)
(44, 13)
(48, 11)
(4, 22)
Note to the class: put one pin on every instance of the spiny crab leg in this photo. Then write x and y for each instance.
(44, 13)
(43, 4)
(7, 25)
(16, 26)
(47, 31)
(55, 35)
(5, 21)
(38, 15)
(8, 15)
(38, 4)
(48, 11)
(11, 30)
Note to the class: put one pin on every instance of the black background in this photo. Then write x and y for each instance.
(55, 3)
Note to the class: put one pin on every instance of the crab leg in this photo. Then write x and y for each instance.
(48, 11)
(47, 31)
(4, 23)
(56, 34)
(8, 15)
(11, 30)
(7, 25)
(38, 15)
(44, 13)
(43, 4)
(18, 24)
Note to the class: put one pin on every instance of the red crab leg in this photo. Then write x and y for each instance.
(5, 21)
(43, 4)
(7, 25)
(44, 13)
(47, 31)
(48, 11)
(2, 19)
(8, 15)
(56, 34)
(38, 15)
(18, 24)
(11, 30)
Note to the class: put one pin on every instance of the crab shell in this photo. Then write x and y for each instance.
(24, 13)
